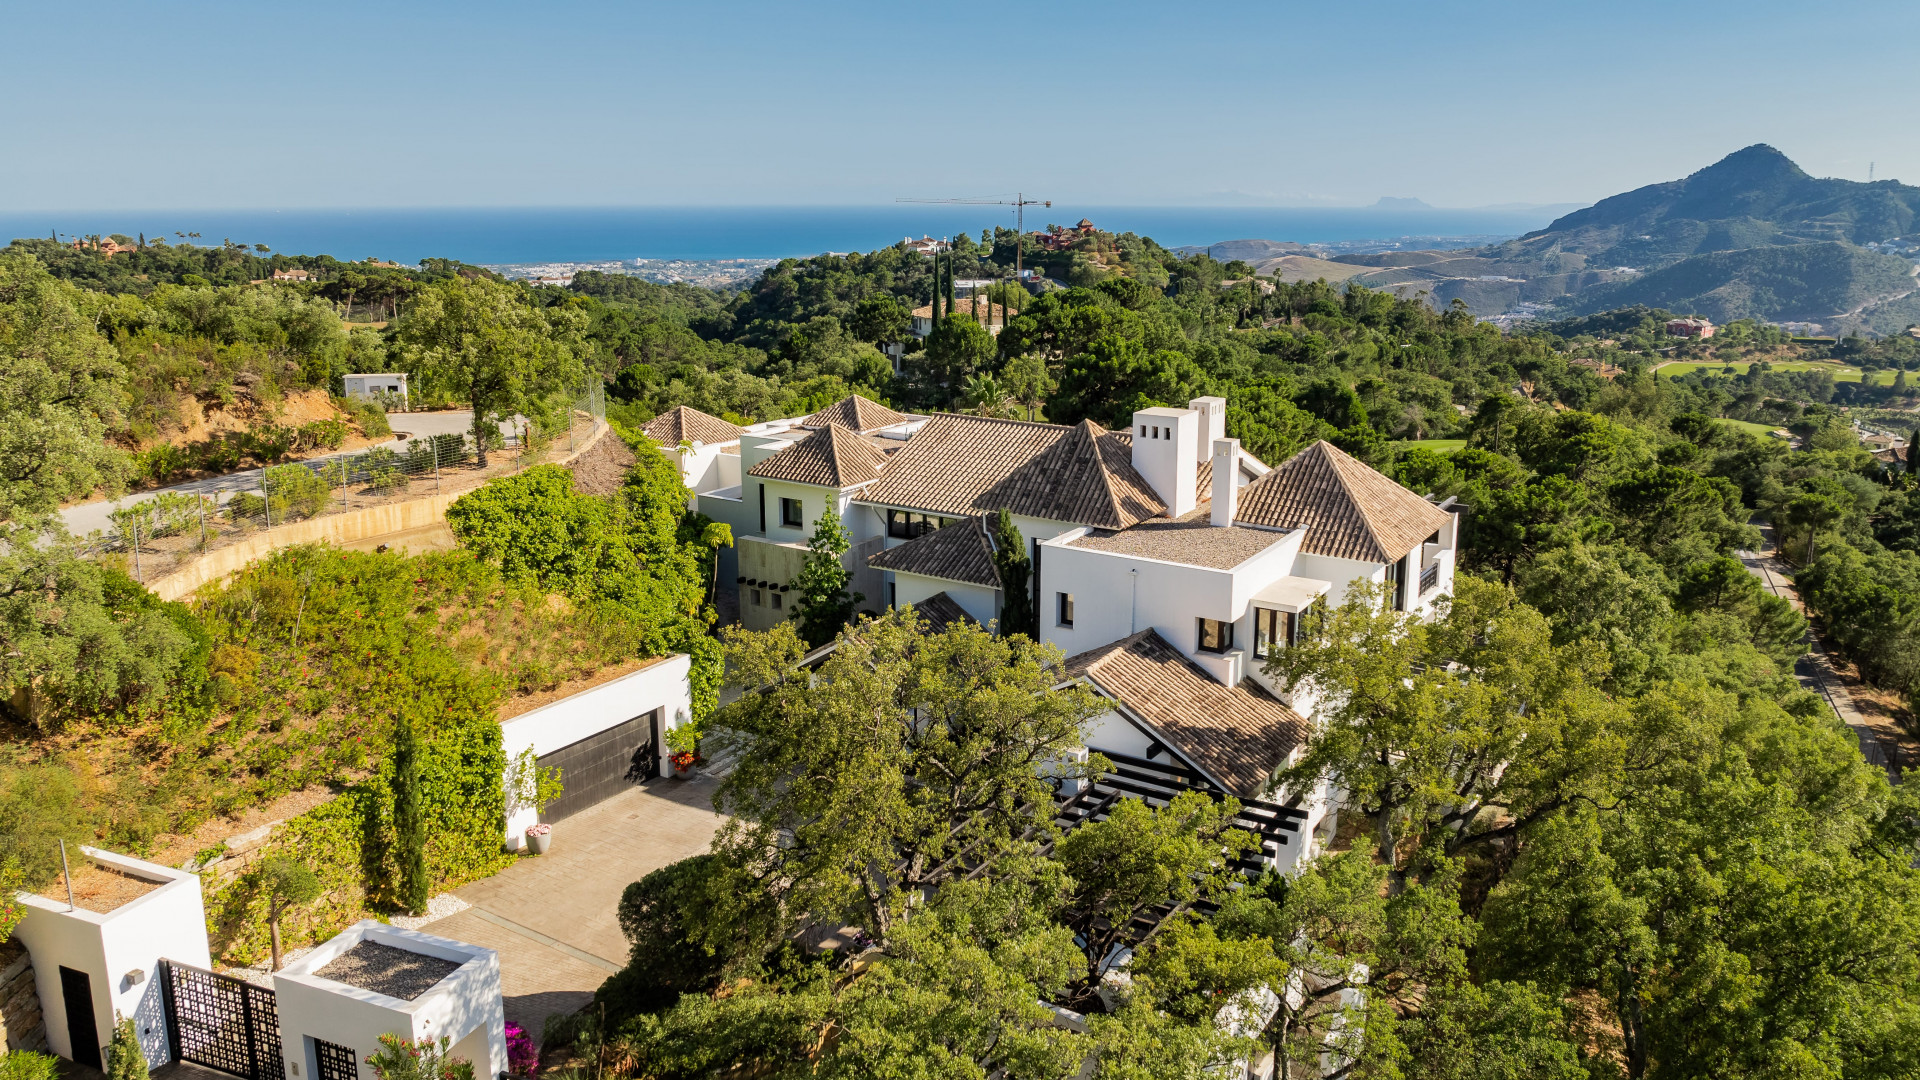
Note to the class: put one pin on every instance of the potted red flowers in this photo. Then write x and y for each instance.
(683, 744)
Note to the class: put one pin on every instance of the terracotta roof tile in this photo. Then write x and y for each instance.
(830, 457)
(855, 413)
(1349, 510)
(1240, 735)
(1193, 540)
(973, 464)
(959, 552)
(675, 426)
(941, 612)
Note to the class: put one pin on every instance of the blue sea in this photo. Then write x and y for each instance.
(536, 234)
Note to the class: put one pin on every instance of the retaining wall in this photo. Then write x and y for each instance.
(356, 525)
(21, 1025)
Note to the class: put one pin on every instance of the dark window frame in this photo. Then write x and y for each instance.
(1273, 627)
(1223, 634)
(796, 520)
(1063, 609)
(911, 524)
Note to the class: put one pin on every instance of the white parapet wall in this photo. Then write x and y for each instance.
(465, 1006)
(117, 951)
(661, 684)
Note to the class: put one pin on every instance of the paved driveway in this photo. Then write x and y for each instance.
(554, 919)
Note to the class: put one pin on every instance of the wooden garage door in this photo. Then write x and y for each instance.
(601, 766)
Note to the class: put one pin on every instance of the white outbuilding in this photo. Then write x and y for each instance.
(374, 979)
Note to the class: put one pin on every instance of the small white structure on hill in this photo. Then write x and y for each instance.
(387, 386)
(100, 959)
(373, 980)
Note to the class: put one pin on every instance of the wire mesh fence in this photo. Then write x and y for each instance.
(153, 535)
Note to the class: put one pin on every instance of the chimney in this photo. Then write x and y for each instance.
(1213, 424)
(1226, 481)
(1166, 454)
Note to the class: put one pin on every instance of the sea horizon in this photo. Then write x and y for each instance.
(511, 235)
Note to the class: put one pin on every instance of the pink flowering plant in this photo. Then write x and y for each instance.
(523, 1054)
(541, 829)
(422, 1059)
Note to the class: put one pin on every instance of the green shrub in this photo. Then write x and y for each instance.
(371, 418)
(27, 1065)
(125, 1059)
(295, 492)
(323, 434)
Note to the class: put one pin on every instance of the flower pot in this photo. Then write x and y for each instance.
(682, 772)
(540, 843)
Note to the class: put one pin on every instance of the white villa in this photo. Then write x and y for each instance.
(1166, 560)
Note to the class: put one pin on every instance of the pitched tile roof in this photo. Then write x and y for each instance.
(1349, 510)
(959, 552)
(675, 426)
(973, 464)
(1240, 735)
(831, 457)
(856, 414)
(941, 612)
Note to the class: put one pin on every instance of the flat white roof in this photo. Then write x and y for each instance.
(1292, 592)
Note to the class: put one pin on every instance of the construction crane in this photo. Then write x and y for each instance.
(1019, 202)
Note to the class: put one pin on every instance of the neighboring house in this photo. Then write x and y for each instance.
(926, 245)
(1167, 563)
(706, 449)
(292, 275)
(385, 386)
(1061, 237)
(1693, 328)
(991, 315)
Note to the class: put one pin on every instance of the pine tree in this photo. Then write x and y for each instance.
(824, 605)
(125, 1059)
(409, 820)
(1015, 566)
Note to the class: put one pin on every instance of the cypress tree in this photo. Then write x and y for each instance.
(1015, 567)
(1912, 441)
(409, 820)
(949, 282)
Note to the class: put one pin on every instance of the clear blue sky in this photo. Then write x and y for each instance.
(235, 105)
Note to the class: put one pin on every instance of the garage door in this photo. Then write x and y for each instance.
(601, 766)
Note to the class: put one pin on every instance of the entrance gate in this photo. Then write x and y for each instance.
(221, 1022)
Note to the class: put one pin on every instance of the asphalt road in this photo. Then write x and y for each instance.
(84, 518)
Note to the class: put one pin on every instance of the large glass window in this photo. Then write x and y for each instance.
(906, 524)
(1272, 629)
(790, 513)
(1216, 635)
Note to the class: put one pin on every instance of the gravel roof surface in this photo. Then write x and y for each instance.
(384, 969)
(1193, 540)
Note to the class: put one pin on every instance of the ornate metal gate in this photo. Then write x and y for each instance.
(221, 1022)
(336, 1061)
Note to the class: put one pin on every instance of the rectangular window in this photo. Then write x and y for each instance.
(778, 601)
(790, 513)
(1216, 636)
(1399, 575)
(893, 595)
(763, 508)
(906, 525)
(1064, 609)
(756, 597)
(1272, 629)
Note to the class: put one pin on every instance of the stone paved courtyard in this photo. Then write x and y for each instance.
(553, 918)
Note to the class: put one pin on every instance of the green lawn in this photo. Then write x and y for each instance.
(1438, 446)
(1841, 372)
(1751, 427)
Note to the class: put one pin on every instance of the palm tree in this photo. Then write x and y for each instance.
(713, 537)
(985, 394)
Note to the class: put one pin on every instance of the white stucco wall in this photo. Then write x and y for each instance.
(976, 600)
(466, 1006)
(1117, 595)
(661, 685)
(119, 950)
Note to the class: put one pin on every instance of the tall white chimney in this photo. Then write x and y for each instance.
(1166, 454)
(1226, 481)
(1213, 424)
